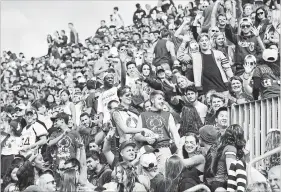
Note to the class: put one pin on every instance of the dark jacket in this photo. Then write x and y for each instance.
(157, 84)
(245, 45)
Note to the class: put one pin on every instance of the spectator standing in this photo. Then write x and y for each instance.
(73, 34)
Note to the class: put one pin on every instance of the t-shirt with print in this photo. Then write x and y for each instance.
(105, 97)
(67, 146)
(158, 122)
(131, 121)
(270, 84)
(30, 135)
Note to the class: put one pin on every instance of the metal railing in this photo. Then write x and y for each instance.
(257, 118)
(257, 159)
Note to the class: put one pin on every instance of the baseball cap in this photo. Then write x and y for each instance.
(270, 55)
(246, 20)
(63, 116)
(147, 149)
(148, 160)
(30, 110)
(209, 134)
(21, 106)
(125, 144)
(159, 68)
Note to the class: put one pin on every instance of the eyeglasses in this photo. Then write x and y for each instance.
(215, 31)
(18, 109)
(251, 63)
(245, 26)
(260, 13)
(52, 182)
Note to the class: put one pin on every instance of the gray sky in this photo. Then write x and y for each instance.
(25, 24)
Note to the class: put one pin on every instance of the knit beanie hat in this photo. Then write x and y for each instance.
(209, 134)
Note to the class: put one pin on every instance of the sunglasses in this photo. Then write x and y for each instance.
(260, 13)
(18, 110)
(215, 31)
(77, 67)
(245, 26)
(251, 63)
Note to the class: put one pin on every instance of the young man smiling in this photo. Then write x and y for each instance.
(163, 126)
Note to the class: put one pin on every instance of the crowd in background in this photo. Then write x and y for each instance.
(144, 108)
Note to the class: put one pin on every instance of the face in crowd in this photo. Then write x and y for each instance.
(217, 103)
(158, 102)
(191, 144)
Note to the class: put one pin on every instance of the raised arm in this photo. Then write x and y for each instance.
(181, 55)
(179, 30)
(73, 114)
(174, 131)
(82, 159)
(214, 13)
(123, 58)
(256, 33)
(276, 4)
(230, 35)
(233, 18)
(107, 146)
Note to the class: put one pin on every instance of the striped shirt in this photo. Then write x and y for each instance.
(237, 177)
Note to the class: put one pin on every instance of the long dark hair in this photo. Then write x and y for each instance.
(190, 119)
(131, 177)
(173, 167)
(150, 68)
(234, 135)
(26, 176)
(257, 20)
(69, 181)
(68, 93)
(7, 179)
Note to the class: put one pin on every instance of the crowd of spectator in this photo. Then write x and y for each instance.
(144, 108)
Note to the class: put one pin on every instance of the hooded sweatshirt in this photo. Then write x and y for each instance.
(245, 45)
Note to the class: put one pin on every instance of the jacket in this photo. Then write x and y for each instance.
(221, 61)
(244, 46)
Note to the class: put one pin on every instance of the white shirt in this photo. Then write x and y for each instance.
(28, 136)
(46, 120)
(201, 109)
(104, 99)
(11, 146)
